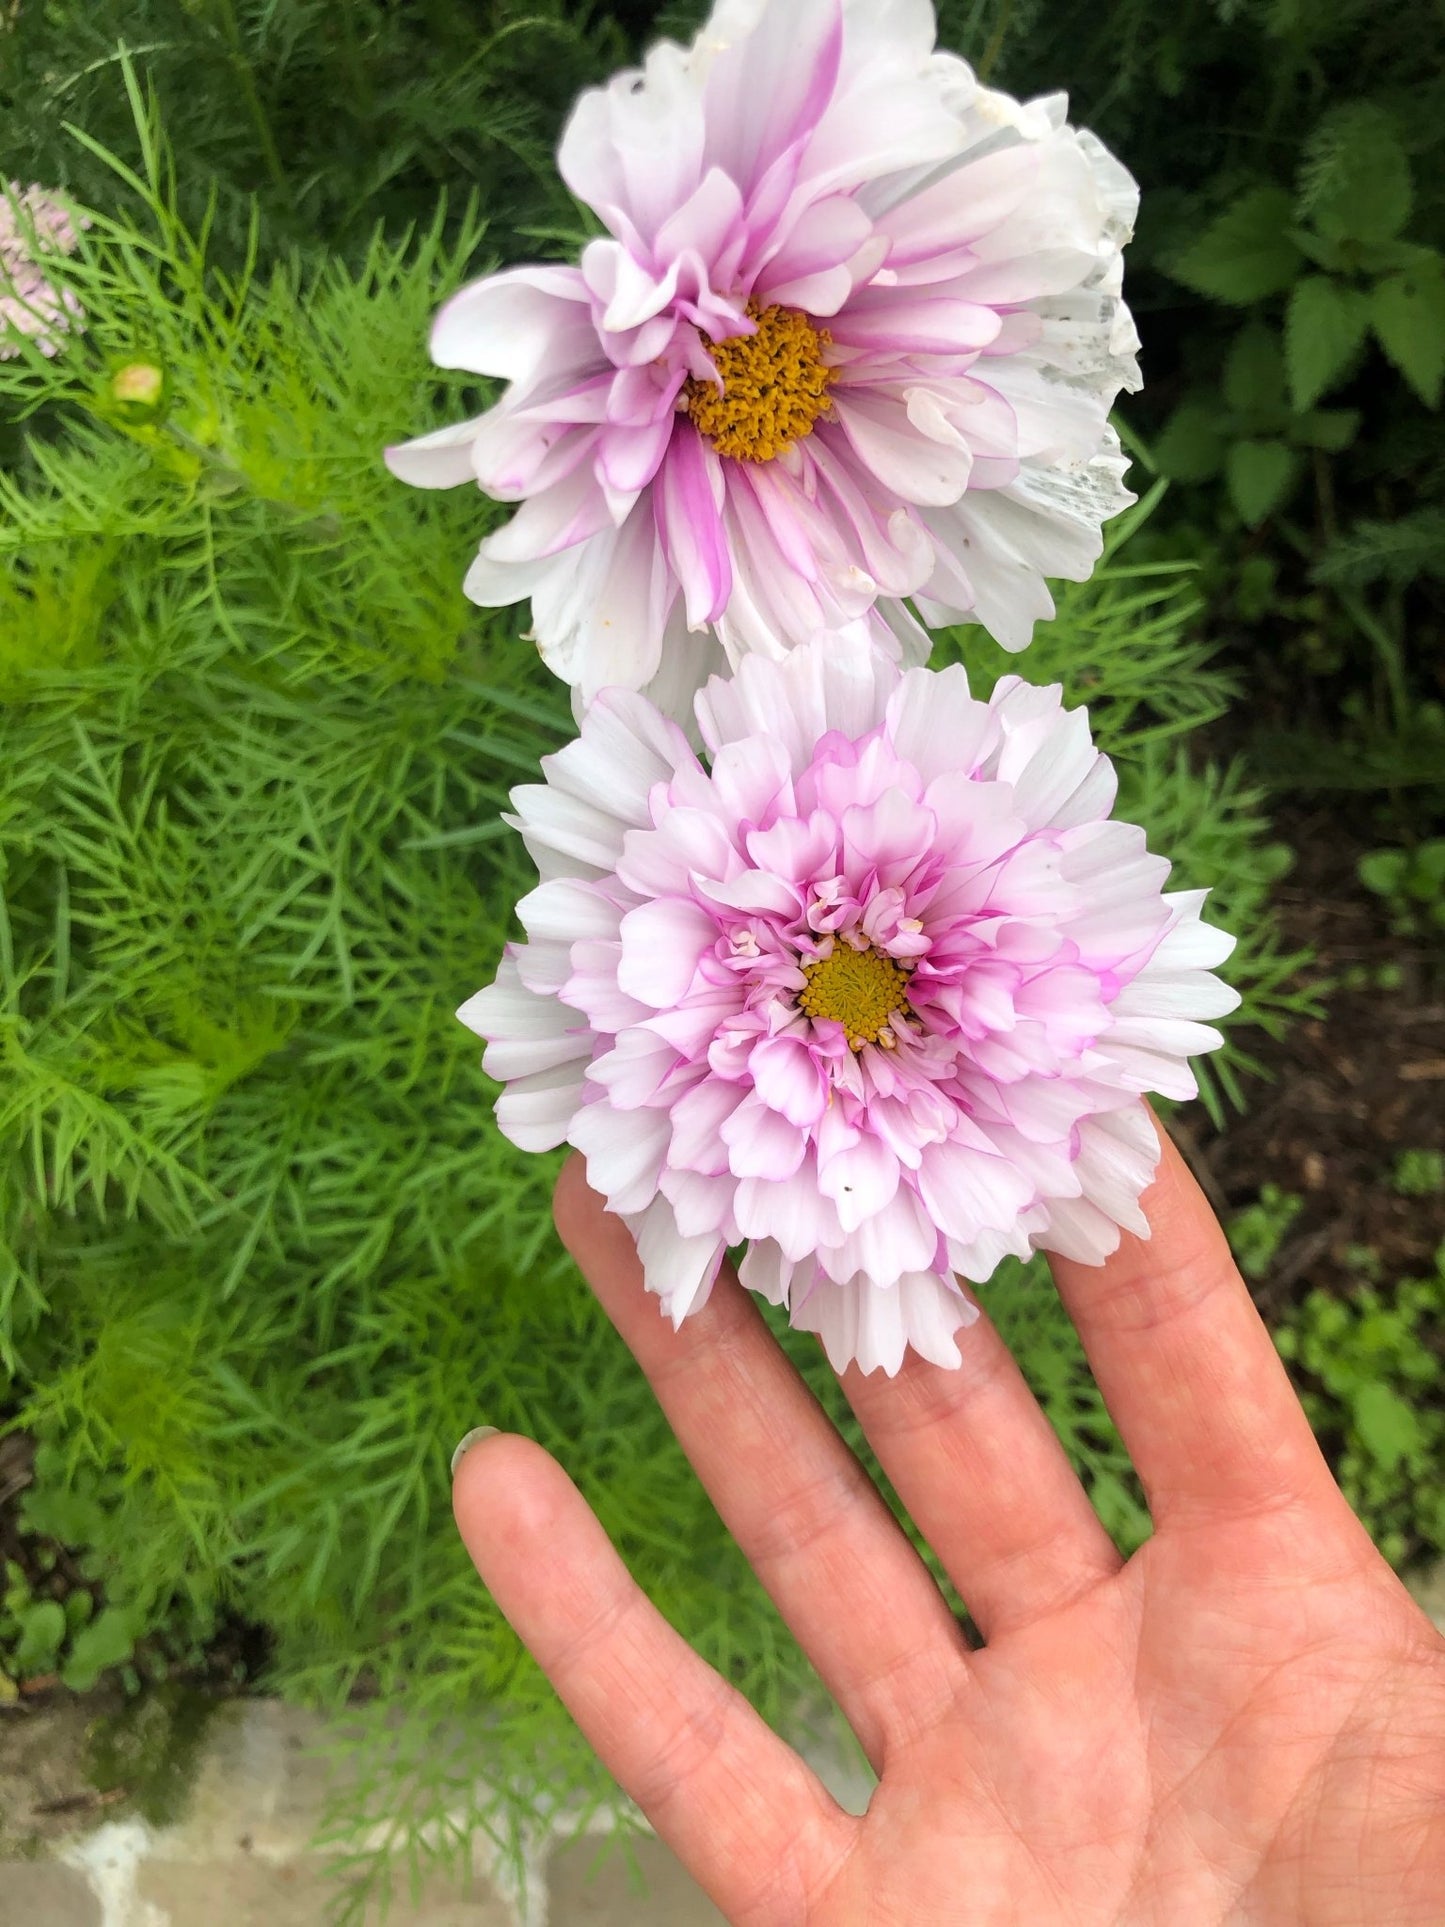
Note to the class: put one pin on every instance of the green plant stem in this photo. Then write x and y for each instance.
(270, 153)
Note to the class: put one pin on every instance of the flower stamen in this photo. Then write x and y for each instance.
(774, 386)
(859, 989)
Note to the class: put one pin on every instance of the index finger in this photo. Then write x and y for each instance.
(1186, 1366)
(750, 1821)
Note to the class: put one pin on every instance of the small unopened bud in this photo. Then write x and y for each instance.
(139, 387)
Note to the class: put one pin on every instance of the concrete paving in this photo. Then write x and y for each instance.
(241, 1854)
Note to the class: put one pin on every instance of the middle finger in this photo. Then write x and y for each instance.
(986, 1481)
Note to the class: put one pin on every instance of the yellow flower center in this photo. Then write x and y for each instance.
(859, 989)
(774, 386)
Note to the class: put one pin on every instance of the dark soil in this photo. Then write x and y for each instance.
(1345, 1094)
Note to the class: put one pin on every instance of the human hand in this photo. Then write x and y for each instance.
(1245, 1721)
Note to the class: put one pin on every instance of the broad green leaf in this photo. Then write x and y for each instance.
(1383, 871)
(1324, 253)
(1387, 1426)
(109, 1640)
(1260, 476)
(1324, 327)
(1391, 257)
(72, 1517)
(42, 1634)
(1254, 372)
(1355, 182)
(1407, 312)
(1191, 447)
(1246, 253)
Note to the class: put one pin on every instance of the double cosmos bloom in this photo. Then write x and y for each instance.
(848, 345)
(876, 990)
(873, 986)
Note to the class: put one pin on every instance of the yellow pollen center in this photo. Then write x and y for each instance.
(859, 989)
(774, 386)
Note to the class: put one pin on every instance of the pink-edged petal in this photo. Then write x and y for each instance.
(970, 200)
(790, 1080)
(913, 466)
(628, 458)
(761, 1143)
(767, 83)
(879, 319)
(698, 1118)
(824, 239)
(634, 148)
(687, 498)
(791, 1211)
(661, 945)
(897, 1238)
(702, 1205)
(633, 1069)
(512, 324)
(558, 518)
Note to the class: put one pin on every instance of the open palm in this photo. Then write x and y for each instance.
(1245, 1721)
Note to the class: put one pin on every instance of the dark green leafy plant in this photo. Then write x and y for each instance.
(1305, 215)
(1260, 439)
(1336, 250)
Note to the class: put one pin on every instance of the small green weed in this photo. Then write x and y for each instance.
(1412, 884)
(1419, 1174)
(1372, 1373)
(1257, 1232)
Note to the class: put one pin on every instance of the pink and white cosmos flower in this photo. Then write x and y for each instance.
(876, 990)
(850, 340)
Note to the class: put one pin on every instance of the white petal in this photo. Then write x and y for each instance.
(525, 1033)
(766, 1271)
(442, 459)
(935, 724)
(581, 833)
(512, 324)
(624, 1152)
(680, 1270)
(623, 749)
(566, 911)
(536, 1112)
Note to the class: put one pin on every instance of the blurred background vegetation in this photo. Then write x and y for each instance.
(262, 1256)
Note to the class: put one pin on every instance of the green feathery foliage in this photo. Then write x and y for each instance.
(263, 1255)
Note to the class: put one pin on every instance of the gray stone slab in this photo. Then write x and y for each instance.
(251, 1893)
(594, 1882)
(37, 1893)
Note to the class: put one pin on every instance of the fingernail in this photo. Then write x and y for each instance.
(474, 1437)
